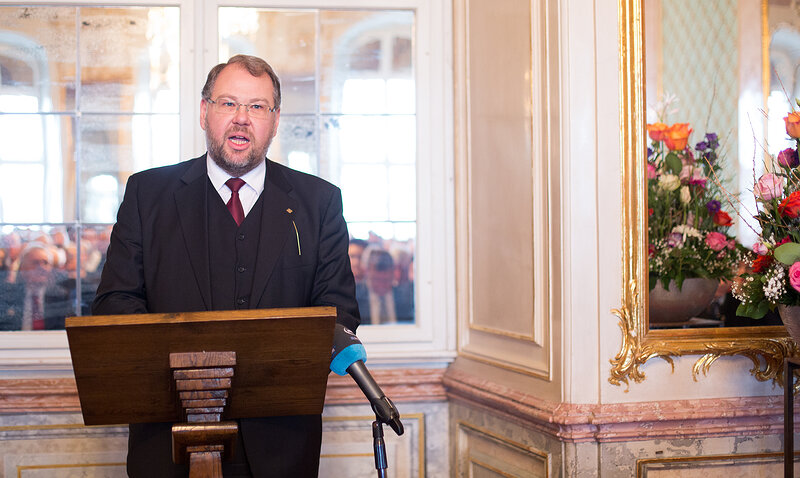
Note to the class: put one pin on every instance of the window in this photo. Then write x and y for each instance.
(348, 115)
(94, 92)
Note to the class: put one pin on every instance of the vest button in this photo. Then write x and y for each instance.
(241, 268)
(240, 237)
(241, 301)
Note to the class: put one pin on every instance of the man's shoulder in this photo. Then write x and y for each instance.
(297, 179)
(169, 171)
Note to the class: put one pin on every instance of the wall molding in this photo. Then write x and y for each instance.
(38, 395)
(619, 422)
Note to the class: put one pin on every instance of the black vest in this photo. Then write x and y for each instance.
(232, 253)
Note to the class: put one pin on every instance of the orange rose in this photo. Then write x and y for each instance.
(790, 206)
(657, 131)
(793, 124)
(677, 136)
(722, 218)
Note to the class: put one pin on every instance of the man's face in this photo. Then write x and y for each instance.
(238, 143)
(380, 281)
(355, 251)
(36, 267)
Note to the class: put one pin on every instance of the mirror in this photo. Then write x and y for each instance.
(725, 68)
(765, 345)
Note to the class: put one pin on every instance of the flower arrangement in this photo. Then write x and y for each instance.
(773, 275)
(687, 224)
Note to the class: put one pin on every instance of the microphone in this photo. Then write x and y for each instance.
(348, 356)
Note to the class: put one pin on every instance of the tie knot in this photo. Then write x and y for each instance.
(235, 184)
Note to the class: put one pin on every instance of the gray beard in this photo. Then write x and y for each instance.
(217, 152)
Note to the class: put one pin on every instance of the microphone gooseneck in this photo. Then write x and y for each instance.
(348, 357)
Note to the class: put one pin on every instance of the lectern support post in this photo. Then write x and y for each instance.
(202, 382)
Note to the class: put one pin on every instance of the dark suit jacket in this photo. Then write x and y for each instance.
(158, 257)
(403, 302)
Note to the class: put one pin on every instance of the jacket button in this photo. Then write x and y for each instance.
(241, 268)
(240, 237)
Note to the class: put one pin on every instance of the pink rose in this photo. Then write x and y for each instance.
(769, 187)
(760, 249)
(794, 276)
(716, 241)
(692, 175)
(652, 172)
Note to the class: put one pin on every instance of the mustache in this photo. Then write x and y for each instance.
(238, 129)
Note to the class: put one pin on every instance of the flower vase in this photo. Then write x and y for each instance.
(790, 315)
(672, 306)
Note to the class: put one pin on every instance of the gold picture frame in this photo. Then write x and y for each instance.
(765, 346)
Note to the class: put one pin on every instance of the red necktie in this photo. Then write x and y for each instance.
(234, 204)
(36, 312)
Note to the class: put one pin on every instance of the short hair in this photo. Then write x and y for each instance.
(255, 66)
(359, 242)
(378, 259)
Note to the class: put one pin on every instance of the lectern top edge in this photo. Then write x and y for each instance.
(204, 316)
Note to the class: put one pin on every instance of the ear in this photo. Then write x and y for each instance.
(203, 113)
(277, 123)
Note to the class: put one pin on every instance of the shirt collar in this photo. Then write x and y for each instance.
(254, 178)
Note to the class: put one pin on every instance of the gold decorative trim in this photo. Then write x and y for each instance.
(504, 365)
(467, 427)
(765, 346)
(22, 468)
(503, 333)
(419, 417)
(641, 464)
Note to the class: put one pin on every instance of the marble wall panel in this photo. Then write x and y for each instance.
(57, 445)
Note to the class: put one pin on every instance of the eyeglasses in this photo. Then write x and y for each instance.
(229, 107)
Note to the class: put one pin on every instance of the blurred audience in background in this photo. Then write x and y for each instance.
(48, 274)
(384, 279)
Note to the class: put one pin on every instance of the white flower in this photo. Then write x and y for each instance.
(686, 196)
(687, 231)
(774, 287)
(669, 182)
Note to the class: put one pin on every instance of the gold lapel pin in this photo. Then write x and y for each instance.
(289, 210)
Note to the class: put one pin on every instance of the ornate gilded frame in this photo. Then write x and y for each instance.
(765, 346)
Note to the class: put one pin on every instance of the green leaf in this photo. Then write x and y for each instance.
(788, 253)
(673, 162)
(753, 310)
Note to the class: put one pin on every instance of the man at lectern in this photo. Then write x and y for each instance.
(231, 230)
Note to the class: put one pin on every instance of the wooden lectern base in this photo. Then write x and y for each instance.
(202, 380)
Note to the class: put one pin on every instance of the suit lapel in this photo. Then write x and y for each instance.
(277, 210)
(193, 217)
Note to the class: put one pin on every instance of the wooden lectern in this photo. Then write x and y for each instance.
(201, 370)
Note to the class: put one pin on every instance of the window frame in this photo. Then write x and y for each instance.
(430, 341)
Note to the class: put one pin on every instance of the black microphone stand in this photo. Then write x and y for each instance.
(385, 412)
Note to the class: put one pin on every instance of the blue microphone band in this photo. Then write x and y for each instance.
(347, 357)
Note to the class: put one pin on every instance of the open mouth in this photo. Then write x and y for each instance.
(239, 141)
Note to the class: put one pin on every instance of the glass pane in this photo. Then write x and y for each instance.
(37, 164)
(358, 131)
(37, 59)
(93, 245)
(285, 39)
(296, 143)
(113, 148)
(384, 272)
(367, 60)
(40, 285)
(130, 59)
